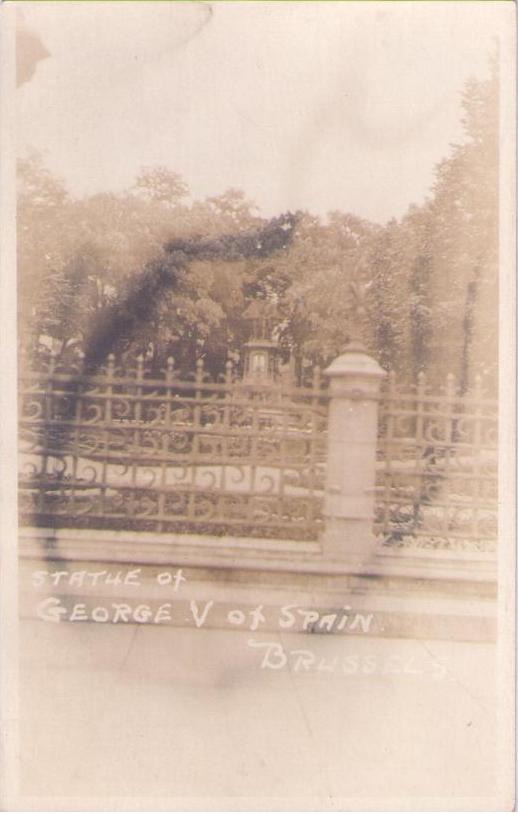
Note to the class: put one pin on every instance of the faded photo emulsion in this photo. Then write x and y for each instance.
(261, 258)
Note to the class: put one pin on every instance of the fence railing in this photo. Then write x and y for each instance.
(140, 449)
(145, 450)
(437, 472)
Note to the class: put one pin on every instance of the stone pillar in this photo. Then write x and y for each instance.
(351, 456)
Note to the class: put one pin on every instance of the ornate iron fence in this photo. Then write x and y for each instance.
(437, 477)
(129, 448)
(132, 448)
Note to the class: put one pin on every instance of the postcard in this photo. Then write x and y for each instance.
(258, 412)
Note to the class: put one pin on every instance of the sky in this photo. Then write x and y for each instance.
(303, 105)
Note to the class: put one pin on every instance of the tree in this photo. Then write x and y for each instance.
(320, 264)
(463, 228)
(434, 292)
(44, 240)
(162, 185)
(147, 271)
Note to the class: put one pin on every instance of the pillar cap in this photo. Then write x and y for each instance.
(355, 361)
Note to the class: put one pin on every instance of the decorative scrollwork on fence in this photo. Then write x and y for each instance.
(126, 447)
(130, 447)
(437, 470)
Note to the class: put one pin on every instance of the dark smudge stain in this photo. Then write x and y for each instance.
(29, 51)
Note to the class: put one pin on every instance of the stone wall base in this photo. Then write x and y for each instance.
(398, 596)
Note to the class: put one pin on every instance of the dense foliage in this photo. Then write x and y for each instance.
(152, 271)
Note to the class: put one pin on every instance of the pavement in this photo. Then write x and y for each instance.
(234, 718)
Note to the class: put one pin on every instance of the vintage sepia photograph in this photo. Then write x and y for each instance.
(257, 491)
